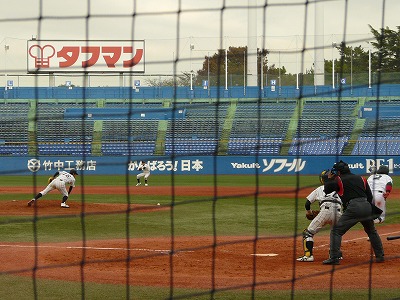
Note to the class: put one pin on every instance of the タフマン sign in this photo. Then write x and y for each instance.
(60, 56)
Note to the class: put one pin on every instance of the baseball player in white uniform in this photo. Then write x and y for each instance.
(381, 185)
(330, 212)
(145, 168)
(59, 181)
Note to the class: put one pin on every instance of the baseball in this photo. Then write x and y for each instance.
(158, 203)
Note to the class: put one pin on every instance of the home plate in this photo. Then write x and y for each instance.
(265, 254)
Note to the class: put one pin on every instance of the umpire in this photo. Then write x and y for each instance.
(357, 202)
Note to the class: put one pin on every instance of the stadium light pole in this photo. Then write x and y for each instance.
(351, 70)
(191, 70)
(297, 66)
(279, 72)
(208, 73)
(262, 70)
(369, 66)
(6, 48)
(333, 66)
(226, 69)
(244, 72)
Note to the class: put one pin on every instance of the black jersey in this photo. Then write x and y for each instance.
(349, 186)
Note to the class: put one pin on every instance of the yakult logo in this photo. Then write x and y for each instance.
(83, 56)
(245, 166)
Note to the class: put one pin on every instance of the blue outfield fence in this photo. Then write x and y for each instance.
(193, 165)
(199, 92)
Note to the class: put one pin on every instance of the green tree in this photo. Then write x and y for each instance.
(355, 58)
(387, 56)
(215, 66)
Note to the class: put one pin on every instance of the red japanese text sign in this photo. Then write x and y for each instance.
(52, 56)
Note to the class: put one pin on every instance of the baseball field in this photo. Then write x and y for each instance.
(182, 237)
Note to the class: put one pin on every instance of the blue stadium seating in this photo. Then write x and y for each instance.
(64, 149)
(318, 146)
(379, 145)
(253, 146)
(15, 150)
(131, 148)
(258, 128)
(184, 146)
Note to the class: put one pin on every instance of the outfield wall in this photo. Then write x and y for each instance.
(192, 165)
(284, 92)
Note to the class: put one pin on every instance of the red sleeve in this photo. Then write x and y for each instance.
(340, 184)
(389, 187)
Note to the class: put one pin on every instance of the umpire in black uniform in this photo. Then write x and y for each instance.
(357, 202)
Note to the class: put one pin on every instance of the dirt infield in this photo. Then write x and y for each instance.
(198, 262)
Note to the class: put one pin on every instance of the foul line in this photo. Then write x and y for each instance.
(356, 239)
(96, 248)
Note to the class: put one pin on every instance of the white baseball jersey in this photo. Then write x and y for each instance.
(145, 171)
(59, 183)
(377, 183)
(330, 206)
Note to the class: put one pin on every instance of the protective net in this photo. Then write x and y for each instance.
(198, 130)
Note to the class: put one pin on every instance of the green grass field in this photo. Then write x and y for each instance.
(195, 215)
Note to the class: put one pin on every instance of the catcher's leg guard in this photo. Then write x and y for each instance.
(308, 243)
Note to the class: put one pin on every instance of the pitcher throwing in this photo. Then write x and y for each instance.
(59, 181)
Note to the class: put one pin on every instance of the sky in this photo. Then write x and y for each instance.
(285, 27)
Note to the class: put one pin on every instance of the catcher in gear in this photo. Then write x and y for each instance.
(329, 213)
(58, 182)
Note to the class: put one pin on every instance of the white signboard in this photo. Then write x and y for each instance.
(50, 56)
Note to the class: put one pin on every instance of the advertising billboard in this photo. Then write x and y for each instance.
(193, 165)
(60, 56)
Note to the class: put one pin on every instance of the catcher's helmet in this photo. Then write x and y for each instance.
(383, 170)
(341, 167)
(323, 176)
(73, 172)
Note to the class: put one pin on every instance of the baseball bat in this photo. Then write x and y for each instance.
(393, 237)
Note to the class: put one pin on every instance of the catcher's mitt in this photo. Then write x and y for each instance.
(50, 179)
(312, 214)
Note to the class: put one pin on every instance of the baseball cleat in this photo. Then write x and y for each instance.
(146, 184)
(306, 258)
(138, 184)
(331, 261)
(64, 205)
(30, 203)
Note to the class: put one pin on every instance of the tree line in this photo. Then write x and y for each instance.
(385, 58)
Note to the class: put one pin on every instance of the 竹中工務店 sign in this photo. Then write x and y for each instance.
(52, 56)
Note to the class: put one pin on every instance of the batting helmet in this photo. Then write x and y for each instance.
(341, 167)
(383, 170)
(323, 176)
(372, 170)
(73, 172)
